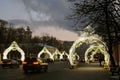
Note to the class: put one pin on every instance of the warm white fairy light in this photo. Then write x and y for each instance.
(14, 47)
(95, 41)
(45, 50)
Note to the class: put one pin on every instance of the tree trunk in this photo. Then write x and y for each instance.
(109, 35)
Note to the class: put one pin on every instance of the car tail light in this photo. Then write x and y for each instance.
(24, 62)
(35, 62)
(8, 62)
(1, 62)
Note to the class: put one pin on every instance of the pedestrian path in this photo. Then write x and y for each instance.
(95, 72)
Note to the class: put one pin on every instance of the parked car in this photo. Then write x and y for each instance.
(19, 60)
(10, 63)
(48, 60)
(64, 59)
(34, 64)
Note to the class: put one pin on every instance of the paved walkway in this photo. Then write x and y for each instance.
(94, 72)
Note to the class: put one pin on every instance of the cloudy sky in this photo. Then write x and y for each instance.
(43, 16)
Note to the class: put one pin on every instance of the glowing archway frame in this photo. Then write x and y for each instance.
(14, 46)
(57, 52)
(45, 50)
(76, 56)
(99, 49)
(64, 53)
(88, 37)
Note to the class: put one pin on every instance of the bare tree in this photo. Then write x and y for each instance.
(103, 15)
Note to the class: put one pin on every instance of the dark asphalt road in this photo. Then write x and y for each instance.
(59, 71)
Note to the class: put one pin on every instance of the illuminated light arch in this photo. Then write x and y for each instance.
(57, 52)
(45, 50)
(76, 56)
(64, 53)
(92, 56)
(88, 37)
(14, 46)
(99, 49)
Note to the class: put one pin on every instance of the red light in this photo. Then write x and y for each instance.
(1, 62)
(9, 63)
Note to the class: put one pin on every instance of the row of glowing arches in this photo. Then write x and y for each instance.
(14, 47)
(57, 52)
(87, 36)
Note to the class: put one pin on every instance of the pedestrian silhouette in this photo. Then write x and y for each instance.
(101, 59)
